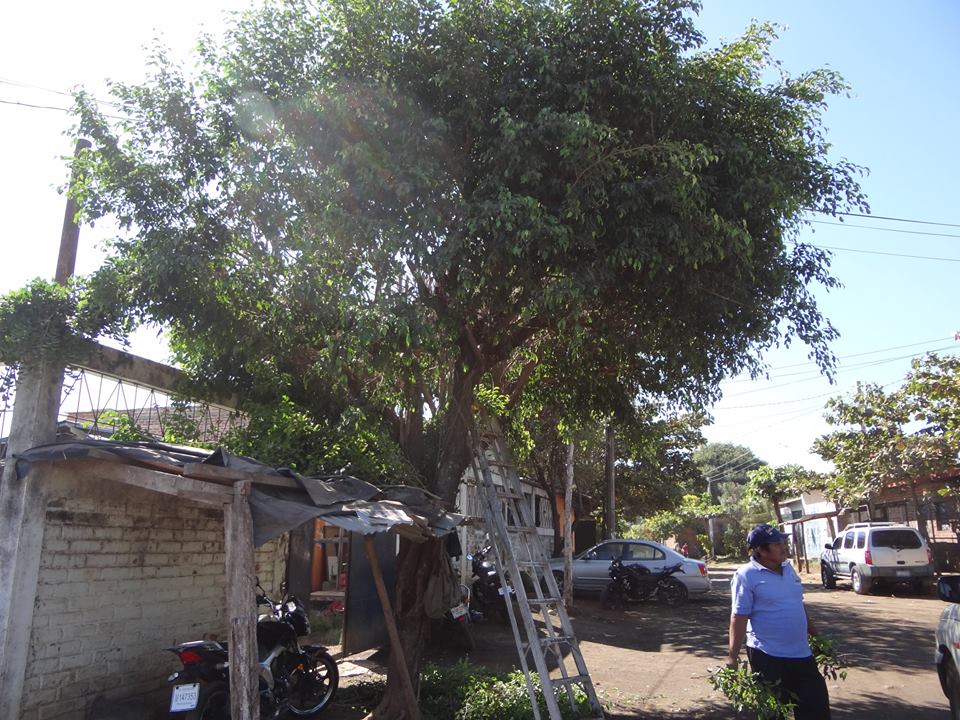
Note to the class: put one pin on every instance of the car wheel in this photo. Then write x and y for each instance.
(953, 688)
(827, 578)
(861, 584)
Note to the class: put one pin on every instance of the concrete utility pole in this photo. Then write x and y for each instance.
(610, 498)
(22, 504)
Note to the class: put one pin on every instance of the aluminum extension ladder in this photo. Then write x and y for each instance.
(518, 549)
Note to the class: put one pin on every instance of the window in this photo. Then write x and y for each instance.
(848, 541)
(861, 539)
(640, 551)
(897, 539)
(838, 541)
(608, 551)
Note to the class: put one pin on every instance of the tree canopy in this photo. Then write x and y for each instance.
(893, 436)
(370, 208)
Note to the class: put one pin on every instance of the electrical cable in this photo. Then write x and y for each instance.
(881, 229)
(50, 107)
(853, 355)
(888, 254)
(893, 219)
(849, 368)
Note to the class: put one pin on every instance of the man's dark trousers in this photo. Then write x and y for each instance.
(799, 676)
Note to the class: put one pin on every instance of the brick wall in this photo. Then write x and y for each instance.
(121, 578)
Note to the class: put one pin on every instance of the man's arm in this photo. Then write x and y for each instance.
(738, 632)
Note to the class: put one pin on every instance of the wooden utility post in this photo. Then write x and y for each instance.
(610, 497)
(23, 503)
(70, 235)
(568, 529)
(241, 604)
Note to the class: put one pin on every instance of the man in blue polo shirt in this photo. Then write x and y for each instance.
(767, 611)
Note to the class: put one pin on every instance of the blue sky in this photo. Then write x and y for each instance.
(902, 60)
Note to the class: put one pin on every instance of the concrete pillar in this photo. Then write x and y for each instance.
(22, 515)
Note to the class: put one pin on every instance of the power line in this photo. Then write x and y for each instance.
(64, 93)
(889, 254)
(881, 229)
(17, 103)
(853, 355)
(849, 368)
(895, 219)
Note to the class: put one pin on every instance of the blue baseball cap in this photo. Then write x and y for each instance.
(764, 535)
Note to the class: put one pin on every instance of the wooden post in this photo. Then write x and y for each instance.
(241, 604)
(395, 647)
(610, 497)
(568, 530)
(70, 235)
(833, 533)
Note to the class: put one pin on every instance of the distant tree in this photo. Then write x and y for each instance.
(773, 484)
(670, 523)
(372, 209)
(725, 462)
(893, 437)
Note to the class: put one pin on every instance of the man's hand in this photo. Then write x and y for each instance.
(738, 631)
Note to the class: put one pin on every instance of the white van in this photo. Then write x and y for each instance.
(875, 553)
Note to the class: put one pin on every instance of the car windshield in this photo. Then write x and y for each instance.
(900, 539)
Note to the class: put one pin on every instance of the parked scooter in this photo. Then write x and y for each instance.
(454, 626)
(487, 595)
(297, 679)
(635, 583)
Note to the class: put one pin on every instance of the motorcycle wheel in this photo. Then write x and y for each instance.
(612, 597)
(673, 593)
(313, 685)
(214, 703)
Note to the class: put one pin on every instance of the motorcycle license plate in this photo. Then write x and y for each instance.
(458, 611)
(185, 697)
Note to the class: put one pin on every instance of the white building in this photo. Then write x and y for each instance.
(811, 518)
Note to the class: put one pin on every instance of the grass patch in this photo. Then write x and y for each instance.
(329, 626)
(468, 692)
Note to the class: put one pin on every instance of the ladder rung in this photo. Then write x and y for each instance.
(510, 496)
(521, 529)
(544, 601)
(556, 640)
(499, 463)
(572, 679)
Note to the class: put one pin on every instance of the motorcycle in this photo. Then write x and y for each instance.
(297, 679)
(635, 583)
(487, 595)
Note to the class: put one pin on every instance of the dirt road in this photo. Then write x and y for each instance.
(653, 662)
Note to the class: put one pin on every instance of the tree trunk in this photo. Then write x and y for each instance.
(775, 499)
(416, 563)
(455, 435)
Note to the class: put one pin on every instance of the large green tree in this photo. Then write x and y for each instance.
(774, 484)
(374, 207)
(898, 436)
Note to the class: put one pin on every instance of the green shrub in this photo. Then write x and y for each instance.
(748, 691)
(468, 692)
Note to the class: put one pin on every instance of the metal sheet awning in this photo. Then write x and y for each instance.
(281, 499)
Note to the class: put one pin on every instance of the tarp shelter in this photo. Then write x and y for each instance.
(258, 502)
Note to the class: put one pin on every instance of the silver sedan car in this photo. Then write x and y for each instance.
(591, 569)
